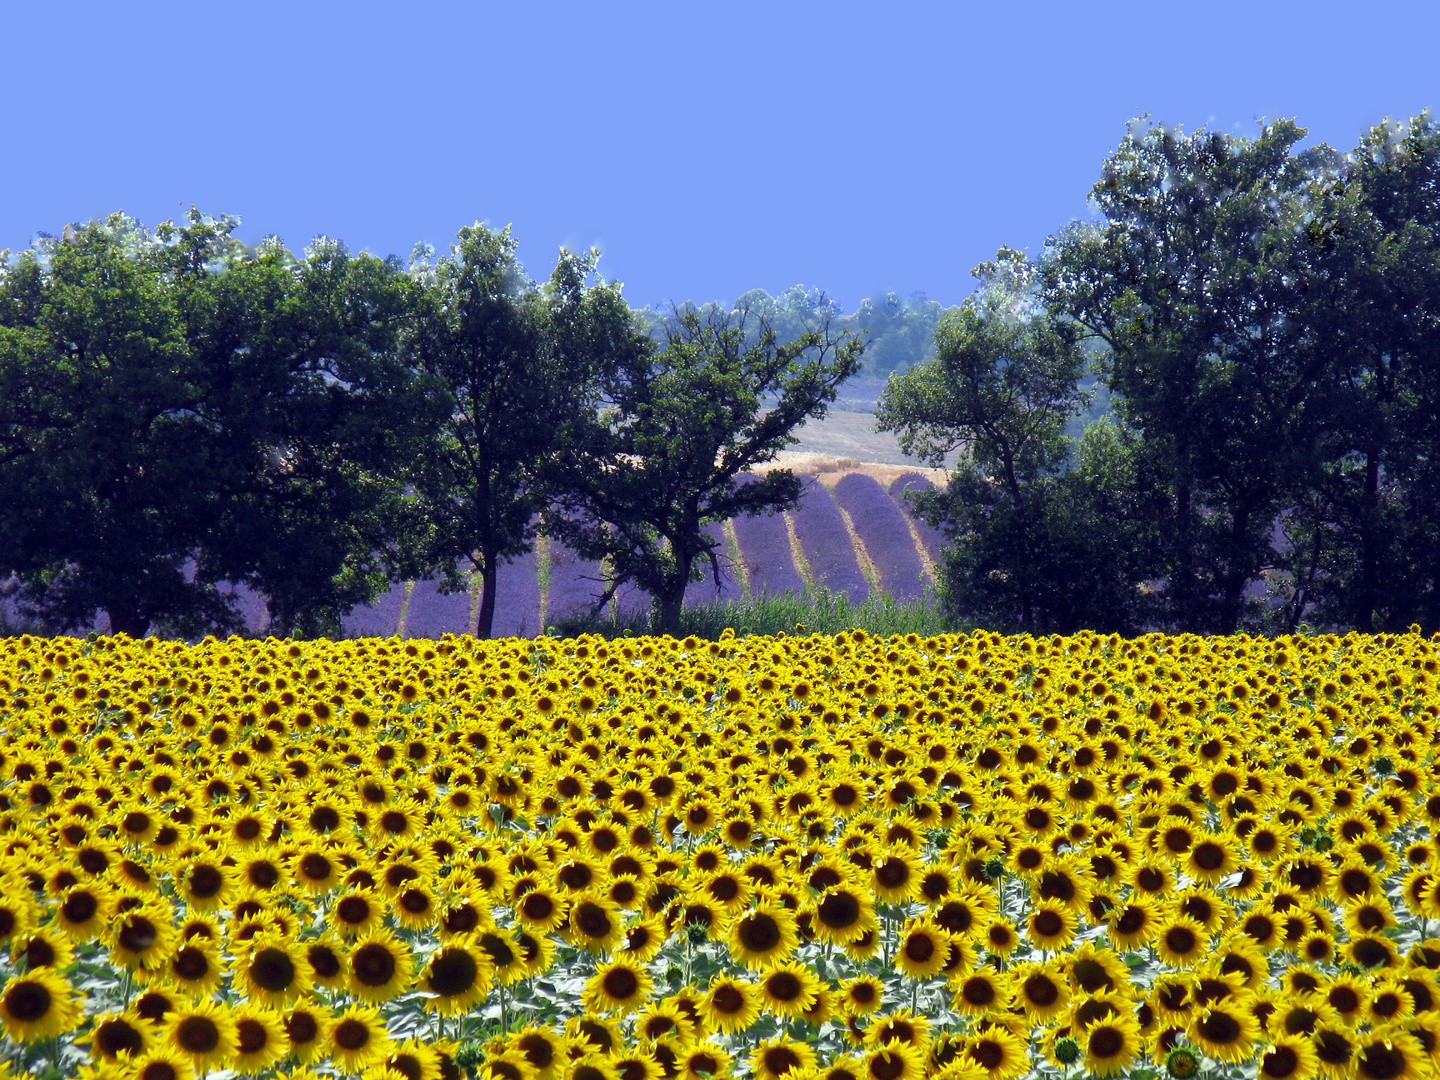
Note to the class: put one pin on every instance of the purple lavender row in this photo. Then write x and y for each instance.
(704, 591)
(884, 532)
(575, 584)
(765, 549)
(826, 542)
(930, 536)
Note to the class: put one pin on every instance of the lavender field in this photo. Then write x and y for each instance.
(554, 583)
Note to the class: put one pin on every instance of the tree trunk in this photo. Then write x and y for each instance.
(126, 619)
(485, 622)
(671, 602)
(1369, 594)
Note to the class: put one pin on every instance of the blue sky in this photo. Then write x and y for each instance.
(707, 148)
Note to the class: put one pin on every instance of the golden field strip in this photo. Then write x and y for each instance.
(844, 857)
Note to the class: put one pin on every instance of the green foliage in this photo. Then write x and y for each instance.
(176, 412)
(816, 611)
(509, 369)
(660, 461)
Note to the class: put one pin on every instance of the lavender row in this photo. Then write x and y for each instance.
(765, 549)
(883, 530)
(827, 544)
(930, 536)
(705, 590)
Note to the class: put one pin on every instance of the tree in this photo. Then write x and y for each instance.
(511, 368)
(1032, 540)
(678, 427)
(178, 414)
(1366, 531)
(1186, 283)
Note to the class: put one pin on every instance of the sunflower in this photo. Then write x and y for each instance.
(459, 975)
(982, 992)
(1000, 1052)
(1181, 941)
(541, 910)
(763, 936)
(896, 877)
(543, 1050)
(1039, 991)
(1051, 926)
(379, 966)
(505, 955)
(620, 984)
(1290, 1057)
(790, 989)
(1390, 1053)
(774, 1058)
(922, 950)
(270, 971)
(160, 1063)
(17, 913)
(706, 1062)
(1372, 951)
(1110, 1045)
(595, 924)
(843, 913)
(84, 911)
(307, 1029)
(358, 912)
(42, 948)
(643, 939)
(414, 1060)
(664, 1020)
(998, 936)
(113, 1034)
(315, 868)
(260, 1039)
(195, 965)
(1135, 924)
(593, 1033)
(38, 1004)
(862, 995)
(1225, 1031)
(205, 884)
(357, 1039)
(203, 1032)
(894, 1060)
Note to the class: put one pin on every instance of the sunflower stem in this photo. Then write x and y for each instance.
(504, 1023)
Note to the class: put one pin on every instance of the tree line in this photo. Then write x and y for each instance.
(180, 413)
(1267, 324)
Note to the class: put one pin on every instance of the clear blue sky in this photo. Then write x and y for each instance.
(707, 148)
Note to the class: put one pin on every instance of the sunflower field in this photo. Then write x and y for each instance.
(828, 856)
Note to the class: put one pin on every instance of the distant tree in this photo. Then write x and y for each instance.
(1365, 531)
(175, 413)
(679, 425)
(512, 368)
(1032, 540)
(1186, 282)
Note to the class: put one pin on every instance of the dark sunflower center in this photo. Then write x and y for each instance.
(415, 901)
(780, 1059)
(353, 910)
(839, 910)
(205, 881)
(893, 873)
(1180, 939)
(1220, 1028)
(351, 1034)
(978, 991)
(1280, 1063)
(453, 972)
(1106, 1042)
(197, 1035)
(323, 959)
(272, 969)
(373, 964)
(190, 963)
(988, 1053)
(27, 1002)
(301, 1028)
(1380, 1062)
(760, 933)
(116, 1036)
(727, 1000)
(783, 986)
(919, 947)
(157, 1070)
(1041, 990)
(80, 907)
(621, 984)
(1048, 923)
(315, 866)
(887, 1066)
(252, 1036)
